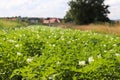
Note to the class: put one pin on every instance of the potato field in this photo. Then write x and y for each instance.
(49, 53)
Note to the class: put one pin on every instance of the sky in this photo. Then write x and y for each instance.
(46, 8)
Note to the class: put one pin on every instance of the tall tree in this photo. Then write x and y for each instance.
(68, 17)
(88, 11)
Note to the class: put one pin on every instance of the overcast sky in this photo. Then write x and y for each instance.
(46, 8)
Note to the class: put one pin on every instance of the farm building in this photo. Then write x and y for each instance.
(51, 21)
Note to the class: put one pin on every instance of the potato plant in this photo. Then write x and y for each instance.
(44, 53)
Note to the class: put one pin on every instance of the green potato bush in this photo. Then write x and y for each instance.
(43, 53)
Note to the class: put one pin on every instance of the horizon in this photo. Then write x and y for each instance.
(39, 8)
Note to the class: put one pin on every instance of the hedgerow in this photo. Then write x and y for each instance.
(43, 53)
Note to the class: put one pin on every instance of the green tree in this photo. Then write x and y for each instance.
(88, 11)
(68, 17)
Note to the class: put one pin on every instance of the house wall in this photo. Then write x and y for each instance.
(34, 21)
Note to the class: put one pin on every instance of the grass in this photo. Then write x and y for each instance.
(7, 24)
(101, 28)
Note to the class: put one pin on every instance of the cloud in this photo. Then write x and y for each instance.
(52, 8)
(40, 8)
(112, 2)
(7, 4)
(47, 8)
(114, 9)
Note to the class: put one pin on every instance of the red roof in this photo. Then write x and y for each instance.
(51, 20)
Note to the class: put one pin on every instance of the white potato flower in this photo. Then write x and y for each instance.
(53, 45)
(90, 59)
(82, 63)
(99, 56)
(114, 45)
(18, 45)
(117, 54)
(11, 41)
(18, 53)
(29, 60)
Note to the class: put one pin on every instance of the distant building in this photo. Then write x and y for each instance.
(34, 20)
(51, 21)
